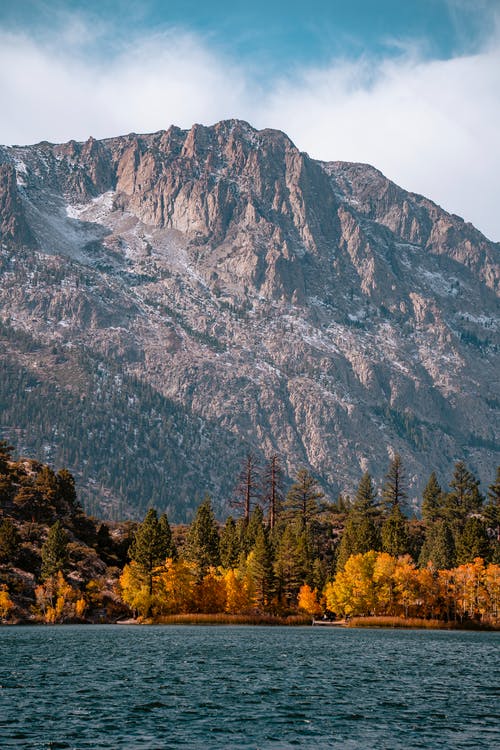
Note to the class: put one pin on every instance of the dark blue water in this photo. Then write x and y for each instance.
(242, 687)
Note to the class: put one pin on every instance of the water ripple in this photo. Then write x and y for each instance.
(156, 688)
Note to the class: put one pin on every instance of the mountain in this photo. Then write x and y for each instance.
(171, 301)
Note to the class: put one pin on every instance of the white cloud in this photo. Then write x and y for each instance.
(431, 126)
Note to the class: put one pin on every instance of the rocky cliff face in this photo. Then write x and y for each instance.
(270, 301)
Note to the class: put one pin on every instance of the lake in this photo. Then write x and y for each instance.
(247, 687)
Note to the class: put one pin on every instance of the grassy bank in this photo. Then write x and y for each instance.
(227, 619)
(417, 622)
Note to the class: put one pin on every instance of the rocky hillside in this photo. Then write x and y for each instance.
(170, 301)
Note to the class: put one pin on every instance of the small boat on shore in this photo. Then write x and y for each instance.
(330, 623)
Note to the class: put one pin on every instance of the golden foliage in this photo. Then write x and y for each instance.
(308, 600)
(6, 603)
(57, 600)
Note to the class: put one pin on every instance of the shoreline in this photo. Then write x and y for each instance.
(213, 620)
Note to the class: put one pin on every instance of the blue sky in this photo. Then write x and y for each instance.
(412, 86)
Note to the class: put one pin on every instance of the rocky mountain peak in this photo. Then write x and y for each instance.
(267, 300)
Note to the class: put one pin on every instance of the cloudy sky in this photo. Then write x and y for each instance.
(411, 86)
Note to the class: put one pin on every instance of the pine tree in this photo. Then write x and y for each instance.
(5, 456)
(464, 497)
(302, 497)
(202, 545)
(365, 500)
(394, 489)
(432, 500)
(260, 569)
(47, 485)
(9, 541)
(29, 500)
(472, 541)
(54, 551)
(272, 480)
(230, 548)
(394, 533)
(66, 490)
(289, 563)
(360, 532)
(492, 509)
(248, 531)
(151, 546)
(439, 547)
(168, 548)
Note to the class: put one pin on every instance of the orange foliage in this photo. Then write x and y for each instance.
(308, 600)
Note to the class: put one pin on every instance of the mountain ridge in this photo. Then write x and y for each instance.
(309, 308)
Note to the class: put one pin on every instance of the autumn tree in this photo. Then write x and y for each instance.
(6, 603)
(308, 600)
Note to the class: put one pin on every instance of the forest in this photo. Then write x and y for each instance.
(283, 556)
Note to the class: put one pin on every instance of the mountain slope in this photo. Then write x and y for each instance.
(270, 301)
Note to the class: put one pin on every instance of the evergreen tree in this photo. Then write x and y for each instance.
(290, 565)
(9, 541)
(432, 500)
(5, 456)
(30, 501)
(472, 541)
(360, 532)
(260, 569)
(202, 546)
(230, 547)
(341, 505)
(248, 531)
(151, 546)
(492, 509)
(47, 486)
(54, 551)
(67, 490)
(439, 547)
(272, 480)
(166, 538)
(394, 533)
(365, 500)
(7, 490)
(464, 497)
(394, 489)
(302, 497)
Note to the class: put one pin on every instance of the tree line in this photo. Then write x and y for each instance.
(278, 553)
(299, 552)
